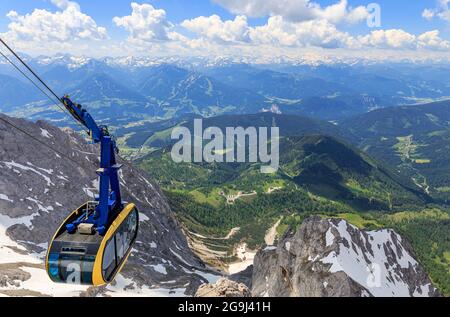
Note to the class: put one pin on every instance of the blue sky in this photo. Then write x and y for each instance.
(403, 22)
(405, 14)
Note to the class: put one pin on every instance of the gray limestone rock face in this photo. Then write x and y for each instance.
(244, 277)
(42, 181)
(223, 288)
(331, 258)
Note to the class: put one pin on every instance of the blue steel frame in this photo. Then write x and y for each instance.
(109, 198)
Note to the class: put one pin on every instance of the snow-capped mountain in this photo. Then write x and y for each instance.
(72, 62)
(332, 258)
(329, 88)
(191, 62)
(40, 186)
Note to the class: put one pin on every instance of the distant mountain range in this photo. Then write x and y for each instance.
(156, 89)
(275, 84)
(101, 87)
(14, 92)
(192, 92)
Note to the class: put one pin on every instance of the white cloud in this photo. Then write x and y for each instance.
(340, 12)
(292, 27)
(394, 38)
(61, 26)
(432, 40)
(399, 39)
(441, 11)
(213, 28)
(318, 33)
(64, 4)
(305, 23)
(147, 24)
(277, 31)
(296, 10)
(428, 14)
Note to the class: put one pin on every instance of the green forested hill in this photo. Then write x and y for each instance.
(157, 135)
(317, 173)
(393, 121)
(415, 139)
(335, 170)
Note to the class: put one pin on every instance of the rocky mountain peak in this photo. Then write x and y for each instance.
(330, 257)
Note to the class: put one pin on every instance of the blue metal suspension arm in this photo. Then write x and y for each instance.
(109, 198)
(81, 115)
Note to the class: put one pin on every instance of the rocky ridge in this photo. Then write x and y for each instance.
(332, 258)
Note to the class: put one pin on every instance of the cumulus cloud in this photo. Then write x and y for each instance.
(305, 23)
(147, 24)
(340, 12)
(213, 28)
(296, 10)
(394, 38)
(290, 26)
(399, 39)
(432, 40)
(441, 11)
(61, 26)
(278, 32)
(318, 33)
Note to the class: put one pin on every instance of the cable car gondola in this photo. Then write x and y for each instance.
(92, 245)
(86, 257)
(94, 242)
